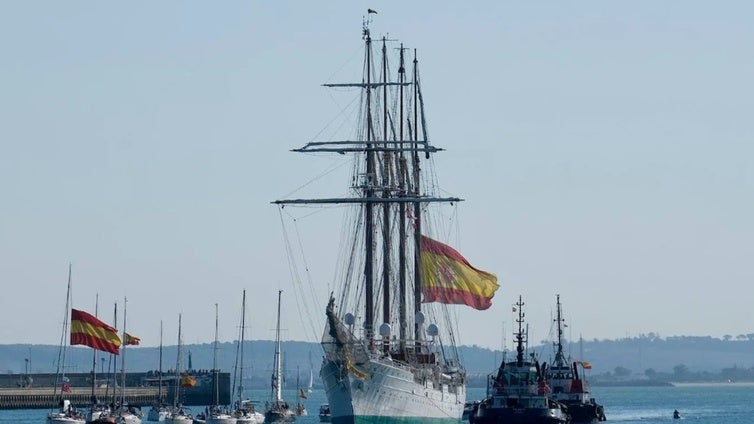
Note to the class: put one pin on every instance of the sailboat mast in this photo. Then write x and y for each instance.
(368, 206)
(243, 328)
(159, 389)
(61, 354)
(112, 365)
(178, 367)
(123, 358)
(386, 245)
(417, 205)
(94, 351)
(278, 364)
(215, 386)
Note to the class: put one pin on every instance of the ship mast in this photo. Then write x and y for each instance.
(559, 355)
(402, 214)
(369, 207)
(417, 205)
(520, 340)
(386, 194)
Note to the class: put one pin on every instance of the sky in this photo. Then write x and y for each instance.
(603, 149)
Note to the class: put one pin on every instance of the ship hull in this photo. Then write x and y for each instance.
(518, 416)
(390, 394)
(586, 413)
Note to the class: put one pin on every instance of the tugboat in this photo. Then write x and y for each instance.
(567, 386)
(518, 393)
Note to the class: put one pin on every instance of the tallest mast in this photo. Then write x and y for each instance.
(369, 193)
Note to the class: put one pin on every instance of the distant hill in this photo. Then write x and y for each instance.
(624, 358)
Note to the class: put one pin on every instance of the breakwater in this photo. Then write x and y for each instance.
(30, 398)
(38, 390)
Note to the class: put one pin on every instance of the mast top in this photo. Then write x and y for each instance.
(365, 21)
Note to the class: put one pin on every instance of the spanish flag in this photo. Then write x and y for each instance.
(131, 340)
(447, 277)
(187, 381)
(87, 330)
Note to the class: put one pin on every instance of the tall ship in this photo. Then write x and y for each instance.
(568, 387)
(519, 393)
(389, 343)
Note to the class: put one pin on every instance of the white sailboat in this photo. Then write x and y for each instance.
(125, 413)
(389, 339)
(159, 410)
(178, 414)
(217, 414)
(277, 409)
(66, 413)
(245, 412)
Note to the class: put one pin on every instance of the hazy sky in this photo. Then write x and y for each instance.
(604, 150)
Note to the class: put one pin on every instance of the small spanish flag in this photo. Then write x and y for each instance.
(131, 340)
(187, 381)
(586, 365)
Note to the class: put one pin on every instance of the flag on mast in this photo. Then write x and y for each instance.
(447, 277)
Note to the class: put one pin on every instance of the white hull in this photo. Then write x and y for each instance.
(221, 419)
(390, 393)
(128, 418)
(250, 418)
(59, 418)
(178, 419)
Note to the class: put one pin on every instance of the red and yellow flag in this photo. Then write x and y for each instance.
(187, 381)
(131, 340)
(87, 330)
(447, 277)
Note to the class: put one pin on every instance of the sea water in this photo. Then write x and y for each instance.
(698, 404)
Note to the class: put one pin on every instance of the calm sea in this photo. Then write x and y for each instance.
(714, 404)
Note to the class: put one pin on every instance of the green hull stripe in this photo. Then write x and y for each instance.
(375, 419)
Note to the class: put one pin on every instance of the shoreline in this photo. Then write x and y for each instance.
(715, 384)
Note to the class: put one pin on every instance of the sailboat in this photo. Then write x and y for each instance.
(245, 412)
(310, 386)
(568, 387)
(101, 413)
(277, 409)
(125, 413)
(66, 413)
(217, 414)
(177, 414)
(389, 343)
(159, 410)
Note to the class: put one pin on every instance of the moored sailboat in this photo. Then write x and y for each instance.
(123, 412)
(159, 409)
(67, 412)
(245, 411)
(178, 414)
(217, 414)
(277, 409)
(394, 365)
